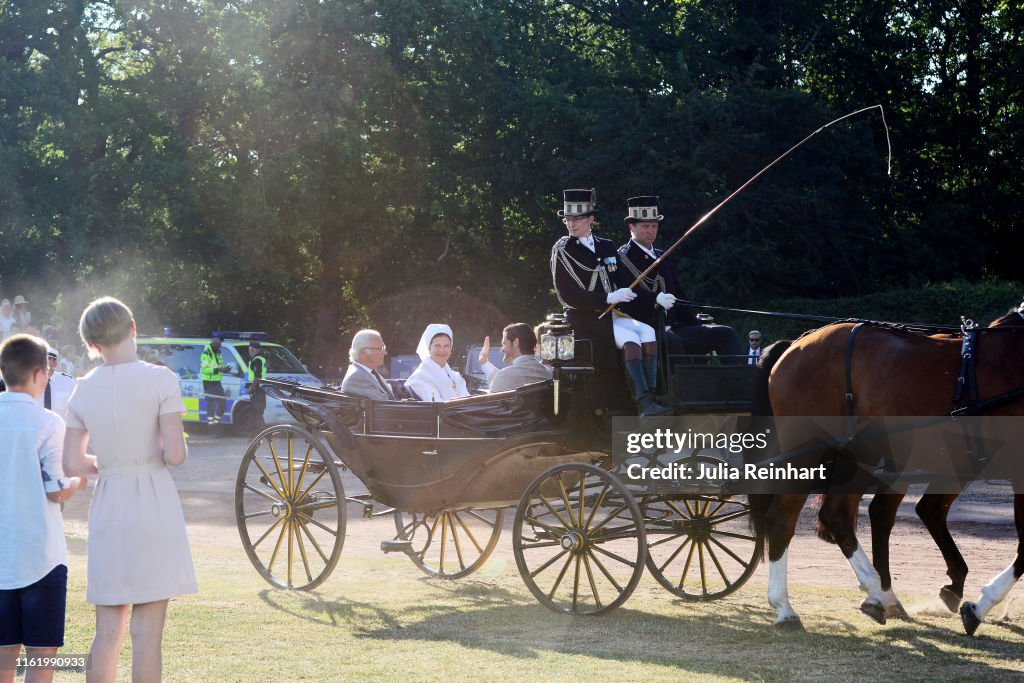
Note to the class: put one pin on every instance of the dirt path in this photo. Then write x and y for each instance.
(982, 523)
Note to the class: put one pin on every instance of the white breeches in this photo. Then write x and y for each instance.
(629, 330)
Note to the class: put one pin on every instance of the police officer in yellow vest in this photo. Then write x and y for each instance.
(211, 365)
(257, 371)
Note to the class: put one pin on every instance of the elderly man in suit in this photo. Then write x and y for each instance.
(367, 355)
(518, 345)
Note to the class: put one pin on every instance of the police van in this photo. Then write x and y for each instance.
(182, 356)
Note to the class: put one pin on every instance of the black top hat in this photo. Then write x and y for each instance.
(578, 203)
(642, 209)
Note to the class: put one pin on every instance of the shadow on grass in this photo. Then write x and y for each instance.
(738, 642)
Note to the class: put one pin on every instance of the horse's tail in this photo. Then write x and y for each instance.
(762, 414)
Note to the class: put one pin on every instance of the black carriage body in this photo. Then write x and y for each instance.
(480, 451)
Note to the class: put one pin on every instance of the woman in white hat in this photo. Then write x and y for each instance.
(434, 379)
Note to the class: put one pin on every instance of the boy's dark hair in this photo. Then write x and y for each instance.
(20, 355)
(524, 333)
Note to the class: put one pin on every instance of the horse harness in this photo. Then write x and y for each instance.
(965, 397)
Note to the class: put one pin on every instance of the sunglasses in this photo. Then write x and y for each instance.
(753, 339)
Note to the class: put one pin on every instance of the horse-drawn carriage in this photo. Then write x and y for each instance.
(447, 473)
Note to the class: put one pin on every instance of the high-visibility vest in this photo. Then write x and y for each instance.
(210, 364)
(251, 374)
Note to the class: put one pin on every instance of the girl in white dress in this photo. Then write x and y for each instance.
(434, 379)
(139, 555)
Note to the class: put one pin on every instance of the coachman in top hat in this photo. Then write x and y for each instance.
(657, 294)
(587, 278)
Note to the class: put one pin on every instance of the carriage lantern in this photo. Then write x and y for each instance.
(557, 345)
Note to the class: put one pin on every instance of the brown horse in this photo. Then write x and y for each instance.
(892, 372)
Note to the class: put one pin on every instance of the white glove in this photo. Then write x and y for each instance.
(621, 296)
(665, 300)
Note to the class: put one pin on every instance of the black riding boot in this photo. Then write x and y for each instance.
(651, 373)
(646, 406)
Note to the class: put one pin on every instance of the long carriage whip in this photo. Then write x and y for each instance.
(744, 186)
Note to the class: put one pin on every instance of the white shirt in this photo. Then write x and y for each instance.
(649, 252)
(588, 242)
(61, 387)
(32, 533)
(753, 355)
(5, 326)
(431, 382)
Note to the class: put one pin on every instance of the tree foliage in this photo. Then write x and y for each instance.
(310, 167)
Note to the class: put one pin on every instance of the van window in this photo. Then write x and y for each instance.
(182, 359)
(279, 359)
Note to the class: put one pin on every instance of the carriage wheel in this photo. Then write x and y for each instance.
(700, 547)
(290, 507)
(452, 543)
(579, 540)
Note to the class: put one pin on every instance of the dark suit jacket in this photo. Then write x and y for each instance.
(633, 261)
(583, 294)
(359, 382)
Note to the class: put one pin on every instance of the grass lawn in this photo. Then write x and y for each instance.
(380, 619)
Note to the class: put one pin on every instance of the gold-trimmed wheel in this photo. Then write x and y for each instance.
(290, 507)
(452, 543)
(579, 540)
(700, 547)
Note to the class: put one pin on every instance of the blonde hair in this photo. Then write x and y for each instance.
(105, 322)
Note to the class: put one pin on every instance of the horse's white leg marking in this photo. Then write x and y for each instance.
(870, 582)
(778, 589)
(994, 592)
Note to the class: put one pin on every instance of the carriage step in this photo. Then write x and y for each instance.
(396, 546)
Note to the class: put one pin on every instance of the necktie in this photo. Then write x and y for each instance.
(46, 397)
(382, 383)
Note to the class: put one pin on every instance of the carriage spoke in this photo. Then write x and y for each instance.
(597, 506)
(590, 578)
(277, 546)
(316, 545)
(455, 538)
(547, 527)
(674, 555)
(291, 543)
(729, 517)
(444, 537)
(686, 567)
(277, 465)
(576, 584)
(547, 564)
(329, 530)
(721, 504)
(558, 581)
(267, 532)
(583, 500)
(618, 511)
(547, 504)
(733, 534)
(302, 554)
(727, 551)
(469, 533)
(703, 569)
(312, 485)
(540, 544)
(604, 571)
(262, 494)
(718, 566)
(664, 540)
(613, 555)
(270, 479)
(565, 499)
(305, 467)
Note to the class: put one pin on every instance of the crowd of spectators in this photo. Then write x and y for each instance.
(17, 316)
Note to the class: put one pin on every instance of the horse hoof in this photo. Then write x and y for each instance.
(969, 616)
(896, 611)
(874, 610)
(950, 598)
(790, 624)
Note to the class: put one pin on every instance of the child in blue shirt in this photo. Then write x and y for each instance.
(33, 553)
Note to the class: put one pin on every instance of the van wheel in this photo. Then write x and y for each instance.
(246, 421)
